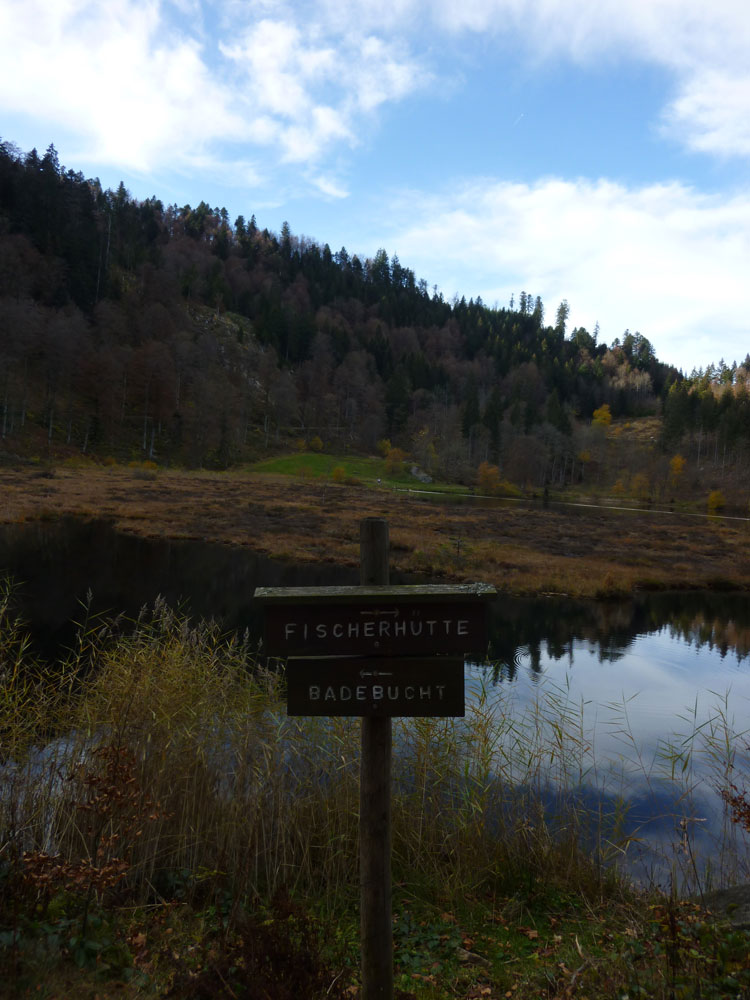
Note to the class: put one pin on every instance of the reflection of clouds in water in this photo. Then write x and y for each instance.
(658, 729)
(661, 688)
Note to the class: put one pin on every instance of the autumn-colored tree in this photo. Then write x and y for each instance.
(488, 478)
(134, 326)
(602, 417)
(639, 486)
(676, 470)
(394, 461)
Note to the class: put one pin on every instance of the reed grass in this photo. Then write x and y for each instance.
(232, 792)
(157, 763)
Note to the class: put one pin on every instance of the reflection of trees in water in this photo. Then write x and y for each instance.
(58, 562)
(519, 627)
(718, 621)
(724, 636)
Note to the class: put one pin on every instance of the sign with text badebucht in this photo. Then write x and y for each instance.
(360, 686)
(369, 651)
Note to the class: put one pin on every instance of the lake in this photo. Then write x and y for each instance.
(651, 695)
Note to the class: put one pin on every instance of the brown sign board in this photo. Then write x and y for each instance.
(375, 621)
(359, 686)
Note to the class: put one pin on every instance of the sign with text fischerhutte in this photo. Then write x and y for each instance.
(392, 651)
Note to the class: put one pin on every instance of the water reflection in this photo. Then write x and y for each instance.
(645, 729)
(527, 633)
(56, 564)
(638, 683)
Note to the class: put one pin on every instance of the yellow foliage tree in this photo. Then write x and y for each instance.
(488, 478)
(394, 460)
(639, 486)
(676, 469)
(602, 417)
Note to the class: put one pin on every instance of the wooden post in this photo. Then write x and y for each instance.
(376, 932)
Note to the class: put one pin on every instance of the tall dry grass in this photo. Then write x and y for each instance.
(161, 754)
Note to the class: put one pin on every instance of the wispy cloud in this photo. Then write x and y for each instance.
(329, 187)
(662, 259)
(706, 47)
(317, 84)
(286, 98)
(712, 113)
(143, 93)
(141, 88)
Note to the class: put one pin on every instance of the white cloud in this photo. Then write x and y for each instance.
(270, 92)
(135, 95)
(661, 259)
(317, 84)
(379, 72)
(143, 93)
(329, 187)
(283, 72)
(706, 47)
(712, 113)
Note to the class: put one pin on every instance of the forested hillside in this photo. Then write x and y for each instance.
(134, 330)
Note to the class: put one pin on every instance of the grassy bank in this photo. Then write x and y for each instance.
(166, 830)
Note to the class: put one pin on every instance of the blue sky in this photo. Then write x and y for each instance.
(589, 150)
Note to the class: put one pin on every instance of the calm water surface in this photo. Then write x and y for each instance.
(657, 724)
(636, 683)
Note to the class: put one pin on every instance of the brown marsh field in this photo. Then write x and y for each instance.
(521, 548)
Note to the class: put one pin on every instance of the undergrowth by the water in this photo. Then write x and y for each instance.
(165, 827)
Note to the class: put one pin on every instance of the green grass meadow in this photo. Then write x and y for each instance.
(352, 469)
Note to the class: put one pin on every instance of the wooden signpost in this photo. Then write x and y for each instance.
(375, 651)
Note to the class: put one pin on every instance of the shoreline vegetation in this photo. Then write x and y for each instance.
(579, 547)
(167, 831)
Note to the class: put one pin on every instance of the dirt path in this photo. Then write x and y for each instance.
(525, 550)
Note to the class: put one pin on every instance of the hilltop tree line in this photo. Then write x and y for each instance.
(139, 330)
(708, 415)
